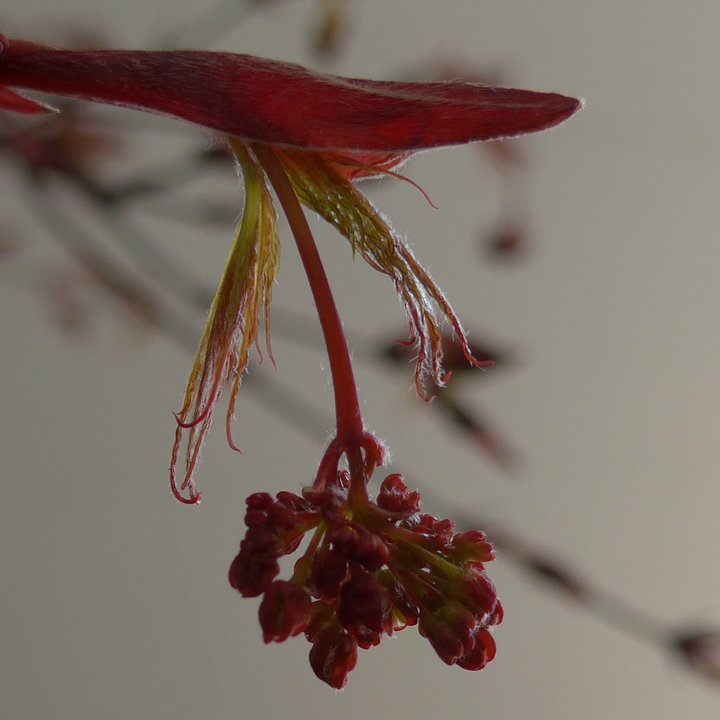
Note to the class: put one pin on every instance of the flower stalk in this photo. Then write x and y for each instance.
(347, 407)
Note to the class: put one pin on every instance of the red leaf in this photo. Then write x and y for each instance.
(280, 103)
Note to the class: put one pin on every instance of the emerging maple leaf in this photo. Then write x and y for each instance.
(371, 566)
(324, 132)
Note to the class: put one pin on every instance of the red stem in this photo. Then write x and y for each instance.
(347, 407)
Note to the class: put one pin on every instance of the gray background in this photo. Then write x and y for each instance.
(114, 601)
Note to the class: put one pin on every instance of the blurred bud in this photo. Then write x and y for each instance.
(700, 650)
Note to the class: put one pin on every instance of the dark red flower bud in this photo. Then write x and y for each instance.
(439, 531)
(472, 546)
(255, 518)
(482, 652)
(404, 609)
(261, 541)
(344, 539)
(394, 496)
(251, 575)
(358, 545)
(363, 603)
(259, 501)
(449, 631)
(284, 611)
(372, 553)
(327, 572)
(255, 566)
(283, 514)
(481, 592)
(323, 614)
(333, 655)
(443, 531)
(258, 505)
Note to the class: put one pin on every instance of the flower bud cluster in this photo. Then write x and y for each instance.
(368, 570)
